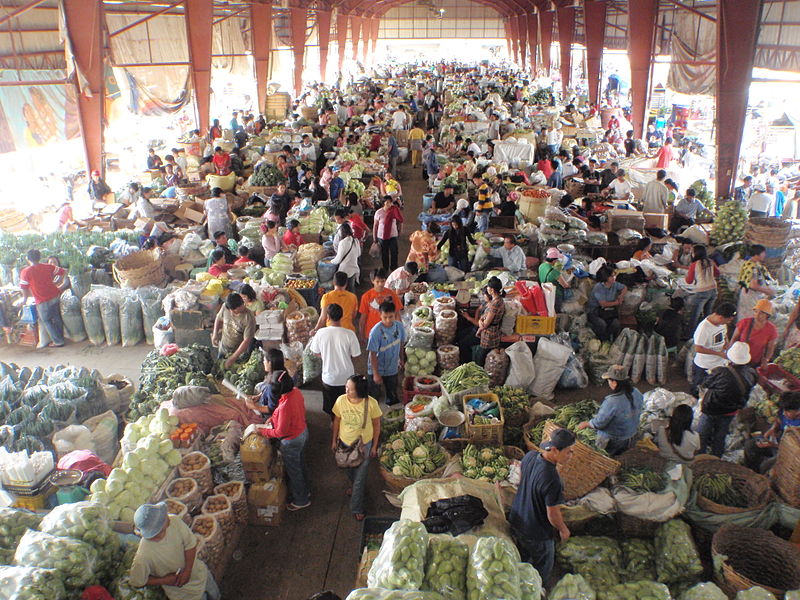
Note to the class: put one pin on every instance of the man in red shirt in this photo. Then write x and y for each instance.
(37, 281)
(292, 236)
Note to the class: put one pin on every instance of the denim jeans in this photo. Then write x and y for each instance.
(294, 462)
(540, 553)
(699, 375)
(482, 221)
(358, 477)
(49, 313)
(389, 253)
(699, 306)
(713, 430)
(389, 387)
(212, 589)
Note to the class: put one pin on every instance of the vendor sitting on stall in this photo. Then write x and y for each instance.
(292, 238)
(550, 272)
(760, 452)
(617, 421)
(219, 266)
(686, 211)
(602, 309)
(234, 330)
(443, 201)
(509, 257)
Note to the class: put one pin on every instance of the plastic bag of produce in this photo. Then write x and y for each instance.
(572, 587)
(74, 560)
(150, 297)
(31, 583)
(379, 594)
(71, 316)
(421, 337)
(755, 593)
(676, 555)
(521, 371)
(130, 317)
(530, 582)
(637, 590)
(109, 312)
(92, 320)
(492, 571)
(598, 559)
(420, 361)
(638, 560)
(497, 362)
(639, 359)
(792, 595)
(447, 357)
(400, 563)
(549, 362)
(312, 365)
(13, 523)
(709, 591)
(446, 324)
(574, 376)
(446, 567)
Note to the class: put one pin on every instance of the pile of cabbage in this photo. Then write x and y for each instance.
(412, 454)
(149, 457)
(420, 361)
(484, 464)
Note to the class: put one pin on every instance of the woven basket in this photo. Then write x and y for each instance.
(747, 553)
(144, 267)
(753, 487)
(768, 231)
(629, 525)
(786, 472)
(398, 484)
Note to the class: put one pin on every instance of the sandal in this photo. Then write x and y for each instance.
(359, 516)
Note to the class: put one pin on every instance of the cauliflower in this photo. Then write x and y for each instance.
(487, 455)
(420, 452)
(470, 462)
(398, 445)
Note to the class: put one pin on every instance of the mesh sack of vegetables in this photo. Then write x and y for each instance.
(131, 323)
(530, 582)
(70, 307)
(677, 558)
(492, 571)
(31, 583)
(109, 313)
(379, 594)
(598, 559)
(88, 522)
(400, 564)
(75, 561)
(92, 320)
(638, 560)
(572, 587)
(150, 298)
(755, 593)
(637, 590)
(446, 567)
(705, 591)
(13, 524)
(312, 365)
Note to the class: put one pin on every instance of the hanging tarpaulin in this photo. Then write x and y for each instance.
(694, 40)
(34, 116)
(229, 48)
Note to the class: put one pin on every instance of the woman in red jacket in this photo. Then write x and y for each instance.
(288, 424)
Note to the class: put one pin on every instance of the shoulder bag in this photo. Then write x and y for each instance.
(349, 457)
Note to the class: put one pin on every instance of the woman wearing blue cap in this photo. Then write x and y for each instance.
(167, 556)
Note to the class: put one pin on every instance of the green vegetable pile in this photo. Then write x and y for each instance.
(379, 594)
(31, 583)
(267, 175)
(790, 360)
(729, 224)
(530, 582)
(703, 194)
(719, 488)
(13, 524)
(492, 571)
(638, 560)
(464, 377)
(638, 590)
(676, 555)
(515, 402)
(121, 587)
(704, 591)
(75, 561)
(393, 422)
(572, 587)
(484, 464)
(598, 559)
(412, 454)
(70, 247)
(244, 374)
(570, 416)
(446, 567)
(755, 593)
(420, 361)
(162, 375)
(643, 479)
(400, 564)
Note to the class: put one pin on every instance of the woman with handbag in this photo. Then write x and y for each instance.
(347, 254)
(356, 431)
(288, 424)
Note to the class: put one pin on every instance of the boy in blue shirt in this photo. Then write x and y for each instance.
(386, 352)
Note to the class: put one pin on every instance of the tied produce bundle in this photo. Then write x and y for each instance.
(598, 559)
(492, 571)
(484, 464)
(643, 479)
(73, 560)
(572, 587)
(719, 488)
(400, 564)
(244, 374)
(707, 591)
(569, 417)
(677, 558)
(464, 377)
(530, 582)
(515, 402)
(379, 594)
(446, 567)
(638, 560)
(412, 454)
(31, 583)
(638, 590)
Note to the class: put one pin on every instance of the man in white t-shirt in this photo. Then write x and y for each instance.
(399, 119)
(620, 187)
(711, 343)
(337, 346)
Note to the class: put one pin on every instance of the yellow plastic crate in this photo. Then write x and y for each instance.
(528, 325)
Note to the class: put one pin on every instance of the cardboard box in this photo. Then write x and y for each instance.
(187, 337)
(186, 319)
(258, 477)
(658, 220)
(267, 494)
(190, 211)
(256, 453)
(267, 516)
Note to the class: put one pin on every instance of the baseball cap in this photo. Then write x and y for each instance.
(559, 439)
(616, 373)
(149, 519)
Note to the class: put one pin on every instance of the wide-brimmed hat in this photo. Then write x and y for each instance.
(764, 306)
(616, 373)
(149, 519)
(739, 353)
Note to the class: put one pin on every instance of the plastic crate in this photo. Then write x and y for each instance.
(37, 502)
(530, 325)
(490, 433)
(41, 487)
(374, 527)
(775, 379)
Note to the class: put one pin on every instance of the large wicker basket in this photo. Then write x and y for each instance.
(586, 470)
(398, 484)
(144, 267)
(629, 525)
(786, 472)
(768, 231)
(753, 487)
(747, 557)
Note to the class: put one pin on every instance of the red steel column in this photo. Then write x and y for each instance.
(507, 28)
(324, 35)
(342, 19)
(355, 26)
(365, 38)
(298, 18)
(642, 18)
(594, 24)
(84, 19)
(261, 22)
(376, 30)
(546, 38)
(522, 21)
(533, 38)
(566, 34)
(514, 25)
(199, 15)
(737, 34)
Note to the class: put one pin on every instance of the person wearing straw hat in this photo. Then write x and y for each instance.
(167, 556)
(727, 389)
(617, 421)
(758, 333)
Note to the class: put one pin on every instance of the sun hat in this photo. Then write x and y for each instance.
(559, 439)
(764, 306)
(739, 353)
(149, 519)
(616, 373)
(462, 204)
(553, 253)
